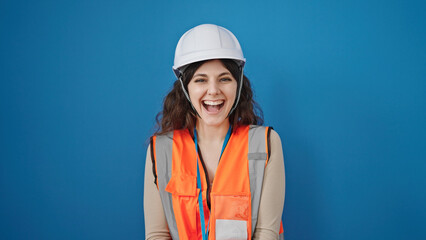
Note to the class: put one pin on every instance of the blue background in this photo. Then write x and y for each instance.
(342, 82)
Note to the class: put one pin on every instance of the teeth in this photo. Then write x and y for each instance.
(213, 103)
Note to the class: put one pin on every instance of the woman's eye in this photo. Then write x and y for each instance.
(199, 80)
(225, 79)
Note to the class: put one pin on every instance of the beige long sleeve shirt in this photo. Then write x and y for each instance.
(271, 200)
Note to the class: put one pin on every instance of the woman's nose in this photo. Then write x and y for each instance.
(213, 88)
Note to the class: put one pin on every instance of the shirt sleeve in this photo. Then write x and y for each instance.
(155, 221)
(273, 193)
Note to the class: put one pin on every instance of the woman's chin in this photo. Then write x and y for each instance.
(213, 121)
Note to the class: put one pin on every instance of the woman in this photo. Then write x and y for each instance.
(211, 172)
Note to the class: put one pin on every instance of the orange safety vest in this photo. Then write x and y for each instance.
(235, 193)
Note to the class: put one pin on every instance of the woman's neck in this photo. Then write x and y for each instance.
(212, 134)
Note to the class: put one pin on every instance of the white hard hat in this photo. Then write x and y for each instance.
(205, 42)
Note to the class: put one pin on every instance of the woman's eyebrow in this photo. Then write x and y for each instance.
(205, 75)
(200, 74)
(224, 73)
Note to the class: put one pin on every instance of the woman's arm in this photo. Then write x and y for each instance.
(155, 220)
(273, 192)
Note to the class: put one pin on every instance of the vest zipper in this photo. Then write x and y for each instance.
(207, 178)
(205, 169)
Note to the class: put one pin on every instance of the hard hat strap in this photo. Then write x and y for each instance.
(239, 92)
(187, 96)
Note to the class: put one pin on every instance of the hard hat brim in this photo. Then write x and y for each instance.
(208, 55)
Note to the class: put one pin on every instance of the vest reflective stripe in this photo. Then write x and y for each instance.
(257, 158)
(183, 186)
(163, 151)
(178, 145)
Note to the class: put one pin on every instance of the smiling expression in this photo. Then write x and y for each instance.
(212, 90)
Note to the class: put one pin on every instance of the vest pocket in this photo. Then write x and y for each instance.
(182, 185)
(185, 204)
(231, 214)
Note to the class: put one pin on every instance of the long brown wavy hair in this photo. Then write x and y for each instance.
(178, 114)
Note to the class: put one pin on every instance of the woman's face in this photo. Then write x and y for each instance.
(212, 90)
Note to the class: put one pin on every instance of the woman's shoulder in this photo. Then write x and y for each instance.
(169, 135)
(270, 129)
(275, 137)
(272, 135)
(164, 134)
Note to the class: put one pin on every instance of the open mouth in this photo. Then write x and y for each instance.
(213, 106)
